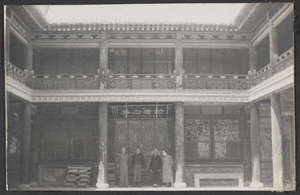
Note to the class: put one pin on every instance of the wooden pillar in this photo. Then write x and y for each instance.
(273, 39)
(102, 163)
(277, 135)
(252, 61)
(292, 152)
(28, 64)
(103, 66)
(179, 146)
(179, 65)
(255, 146)
(34, 151)
(26, 146)
(7, 41)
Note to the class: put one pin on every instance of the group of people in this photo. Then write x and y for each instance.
(157, 164)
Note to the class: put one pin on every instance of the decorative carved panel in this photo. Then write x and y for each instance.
(197, 138)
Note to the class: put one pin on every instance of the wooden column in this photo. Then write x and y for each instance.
(179, 65)
(252, 61)
(28, 64)
(273, 39)
(179, 146)
(292, 152)
(26, 146)
(7, 41)
(102, 163)
(34, 151)
(277, 135)
(103, 66)
(255, 146)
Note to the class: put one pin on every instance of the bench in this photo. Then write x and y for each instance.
(199, 176)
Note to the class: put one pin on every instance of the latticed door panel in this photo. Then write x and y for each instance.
(148, 138)
(121, 135)
(162, 136)
(135, 135)
(197, 138)
(226, 138)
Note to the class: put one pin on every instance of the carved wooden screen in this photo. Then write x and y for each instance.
(147, 134)
(212, 138)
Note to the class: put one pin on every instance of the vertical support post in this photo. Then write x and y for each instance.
(102, 163)
(179, 65)
(277, 135)
(255, 146)
(26, 143)
(252, 62)
(103, 66)
(34, 151)
(28, 65)
(273, 39)
(292, 152)
(179, 146)
(7, 41)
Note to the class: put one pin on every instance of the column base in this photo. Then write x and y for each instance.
(24, 186)
(33, 184)
(179, 185)
(256, 184)
(102, 185)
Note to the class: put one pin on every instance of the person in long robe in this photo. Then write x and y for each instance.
(155, 167)
(167, 169)
(137, 163)
(123, 163)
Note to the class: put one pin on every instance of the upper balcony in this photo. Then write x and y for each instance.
(164, 81)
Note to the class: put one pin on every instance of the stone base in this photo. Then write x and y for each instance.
(256, 185)
(102, 185)
(33, 184)
(24, 186)
(179, 185)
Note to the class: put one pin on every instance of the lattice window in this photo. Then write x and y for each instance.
(226, 138)
(212, 138)
(197, 137)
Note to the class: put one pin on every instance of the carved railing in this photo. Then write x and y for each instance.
(15, 73)
(227, 82)
(142, 67)
(65, 82)
(282, 62)
(141, 81)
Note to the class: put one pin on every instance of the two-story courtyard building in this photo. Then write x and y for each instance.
(216, 93)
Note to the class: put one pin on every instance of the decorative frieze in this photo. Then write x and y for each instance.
(143, 98)
(55, 36)
(141, 36)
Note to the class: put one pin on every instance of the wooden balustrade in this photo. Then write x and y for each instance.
(61, 82)
(141, 81)
(15, 73)
(223, 82)
(282, 62)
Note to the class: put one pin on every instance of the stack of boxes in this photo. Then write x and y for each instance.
(78, 176)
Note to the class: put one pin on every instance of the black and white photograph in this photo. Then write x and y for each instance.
(150, 97)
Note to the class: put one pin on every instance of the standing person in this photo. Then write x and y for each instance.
(155, 167)
(123, 162)
(167, 168)
(137, 164)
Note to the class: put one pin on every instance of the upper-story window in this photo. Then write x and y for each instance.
(215, 61)
(66, 61)
(141, 60)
